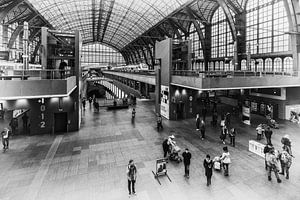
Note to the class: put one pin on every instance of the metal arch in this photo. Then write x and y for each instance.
(18, 30)
(229, 19)
(100, 18)
(128, 56)
(178, 26)
(213, 10)
(107, 18)
(34, 33)
(292, 8)
(174, 28)
(94, 18)
(124, 56)
(7, 9)
(198, 29)
(128, 51)
(235, 8)
(136, 52)
(148, 49)
(161, 29)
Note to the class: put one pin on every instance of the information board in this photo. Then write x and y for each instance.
(257, 148)
(165, 102)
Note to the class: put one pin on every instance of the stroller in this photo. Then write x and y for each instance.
(217, 163)
(272, 123)
(174, 155)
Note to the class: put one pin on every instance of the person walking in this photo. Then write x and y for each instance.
(25, 122)
(131, 176)
(227, 119)
(286, 156)
(166, 147)
(272, 163)
(14, 125)
(225, 159)
(83, 103)
(223, 134)
(208, 166)
(90, 101)
(232, 135)
(267, 149)
(202, 129)
(159, 122)
(268, 135)
(197, 122)
(5, 138)
(187, 161)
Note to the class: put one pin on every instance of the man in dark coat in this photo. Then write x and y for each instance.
(268, 134)
(187, 161)
(208, 165)
(165, 147)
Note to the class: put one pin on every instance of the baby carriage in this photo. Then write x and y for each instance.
(217, 163)
(272, 123)
(174, 155)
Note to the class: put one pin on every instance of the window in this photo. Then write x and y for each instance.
(277, 65)
(101, 54)
(268, 65)
(267, 23)
(244, 65)
(288, 64)
(196, 44)
(221, 39)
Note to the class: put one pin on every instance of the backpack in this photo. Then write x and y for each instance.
(132, 171)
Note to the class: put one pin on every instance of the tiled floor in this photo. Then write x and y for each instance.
(91, 163)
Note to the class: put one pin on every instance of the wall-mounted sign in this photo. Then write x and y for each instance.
(42, 113)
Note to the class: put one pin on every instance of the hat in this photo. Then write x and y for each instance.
(172, 136)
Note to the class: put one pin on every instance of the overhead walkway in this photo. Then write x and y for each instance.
(218, 80)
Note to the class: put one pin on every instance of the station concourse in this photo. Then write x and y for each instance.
(88, 87)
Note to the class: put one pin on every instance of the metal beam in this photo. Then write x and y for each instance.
(107, 19)
(176, 24)
(229, 18)
(94, 18)
(198, 16)
(8, 8)
(174, 28)
(198, 28)
(35, 32)
(99, 19)
(18, 30)
(235, 8)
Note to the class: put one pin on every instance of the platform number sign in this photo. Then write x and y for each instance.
(42, 109)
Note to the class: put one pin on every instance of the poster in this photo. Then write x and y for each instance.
(161, 167)
(246, 115)
(165, 102)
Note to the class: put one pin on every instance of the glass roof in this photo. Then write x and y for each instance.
(115, 22)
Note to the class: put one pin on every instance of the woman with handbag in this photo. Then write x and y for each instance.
(225, 159)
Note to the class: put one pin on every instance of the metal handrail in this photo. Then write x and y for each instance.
(44, 73)
(230, 74)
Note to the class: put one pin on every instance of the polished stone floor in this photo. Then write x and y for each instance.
(91, 164)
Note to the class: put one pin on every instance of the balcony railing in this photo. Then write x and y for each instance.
(37, 74)
(231, 74)
(142, 72)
